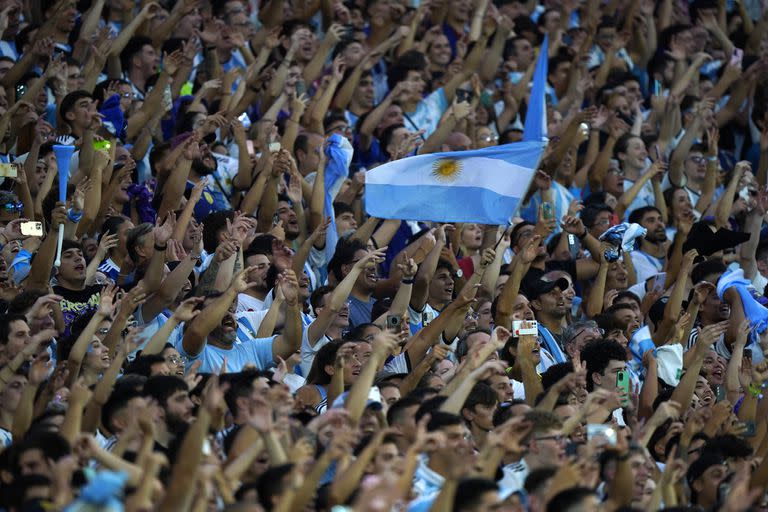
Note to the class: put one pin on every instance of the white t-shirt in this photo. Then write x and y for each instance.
(248, 303)
(646, 265)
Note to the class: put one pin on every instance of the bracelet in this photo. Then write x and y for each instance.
(210, 48)
(711, 159)
(160, 247)
(583, 235)
(753, 390)
(74, 215)
(408, 281)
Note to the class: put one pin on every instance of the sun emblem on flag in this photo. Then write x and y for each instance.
(446, 169)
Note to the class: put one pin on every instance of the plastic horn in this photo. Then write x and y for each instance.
(63, 156)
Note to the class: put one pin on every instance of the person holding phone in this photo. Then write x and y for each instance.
(606, 363)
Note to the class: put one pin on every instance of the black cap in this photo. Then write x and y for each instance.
(541, 287)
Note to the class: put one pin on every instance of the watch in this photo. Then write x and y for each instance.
(459, 273)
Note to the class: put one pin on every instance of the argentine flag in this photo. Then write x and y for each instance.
(482, 186)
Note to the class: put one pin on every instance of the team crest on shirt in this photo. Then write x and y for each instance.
(446, 169)
(208, 197)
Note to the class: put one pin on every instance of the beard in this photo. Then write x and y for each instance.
(224, 336)
(175, 423)
(201, 168)
(656, 237)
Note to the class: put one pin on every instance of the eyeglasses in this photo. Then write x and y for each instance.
(489, 138)
(128, 95)
(698, 160)
(616, 171)
(178, 361)
(103, 331)
(13, 207)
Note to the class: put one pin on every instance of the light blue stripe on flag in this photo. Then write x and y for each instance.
(445, 204)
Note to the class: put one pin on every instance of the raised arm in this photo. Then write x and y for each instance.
(286, 344)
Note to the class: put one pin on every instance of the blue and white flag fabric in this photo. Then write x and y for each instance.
(536, 116)
(623, 237)
(338, 157)
(481, 186)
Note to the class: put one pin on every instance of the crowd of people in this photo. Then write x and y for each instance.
(223, 327)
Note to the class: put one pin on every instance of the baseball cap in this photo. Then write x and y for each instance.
(539, 287)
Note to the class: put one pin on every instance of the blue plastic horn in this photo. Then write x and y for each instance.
(63, 158)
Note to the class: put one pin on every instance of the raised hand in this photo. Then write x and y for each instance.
(372, 258)
(289, 285)
(164, 230)
(187, 310)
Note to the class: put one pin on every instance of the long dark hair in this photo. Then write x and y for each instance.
(324, 357)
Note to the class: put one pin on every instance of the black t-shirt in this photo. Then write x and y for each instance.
(77, 302)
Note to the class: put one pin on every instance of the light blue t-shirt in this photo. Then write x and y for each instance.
(427, 114)
(255, 351)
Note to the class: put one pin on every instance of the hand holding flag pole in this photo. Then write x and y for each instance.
(63, 157)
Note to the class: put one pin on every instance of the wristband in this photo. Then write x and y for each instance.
(583, 235)
(160, 248)
(754, 390)
(74, 215)
(711, 159)
(408, 281)
(210, 48)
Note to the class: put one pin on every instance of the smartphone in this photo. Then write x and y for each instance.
(101, 144)
(167, 98)
(720, 393)
(301, 88)
(622, 382)
(349, 31)
(274, 147)
(20, 90)
(658, 283)
(604, 434)
(275, 219)
(393, 323)
(748, 353)
(547, 211)
(736, 57)
(525, 328)
(573, 246)
(243, 118)
(463, 95)
(657, 88)
(32, 228)
(249, 145)
(749, 429)
(9, 170)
